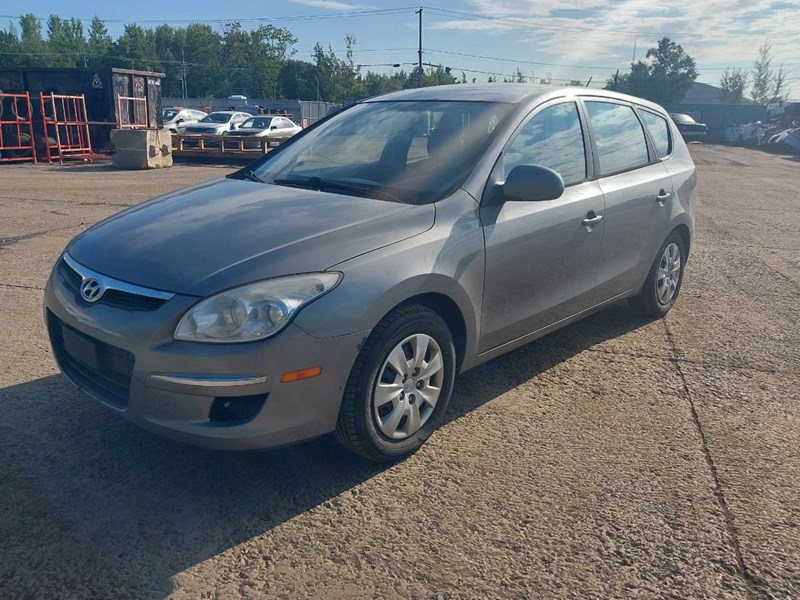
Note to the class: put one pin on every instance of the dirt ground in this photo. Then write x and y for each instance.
(618, 458)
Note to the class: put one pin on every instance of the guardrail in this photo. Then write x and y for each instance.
(187, 144)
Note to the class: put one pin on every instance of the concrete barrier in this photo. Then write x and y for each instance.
(141, 148)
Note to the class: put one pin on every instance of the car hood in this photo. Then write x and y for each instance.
(228, 232)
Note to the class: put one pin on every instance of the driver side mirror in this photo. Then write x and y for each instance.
(273, 127)
(179, 121)
(532, 183)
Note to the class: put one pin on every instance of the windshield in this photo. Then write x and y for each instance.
(217, 118)
(680, 118)
(413, 152)
(169, 113)
(256, 123)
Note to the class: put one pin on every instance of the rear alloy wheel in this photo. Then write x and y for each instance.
(660, 289)
(400, 385)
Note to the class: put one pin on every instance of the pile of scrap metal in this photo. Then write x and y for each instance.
(781, 132)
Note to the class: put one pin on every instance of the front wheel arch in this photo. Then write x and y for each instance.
(449, 311)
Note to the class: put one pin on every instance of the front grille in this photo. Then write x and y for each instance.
(111, 297)
(71, 279)
(102, 369)
(128, 301)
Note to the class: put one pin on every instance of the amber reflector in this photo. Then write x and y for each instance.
(302, 374)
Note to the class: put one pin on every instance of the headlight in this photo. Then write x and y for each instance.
(252, 312)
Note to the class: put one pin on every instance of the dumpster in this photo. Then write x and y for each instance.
(115, 98)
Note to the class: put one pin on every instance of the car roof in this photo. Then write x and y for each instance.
(512, 93)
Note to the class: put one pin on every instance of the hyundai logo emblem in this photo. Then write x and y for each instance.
(91, 289)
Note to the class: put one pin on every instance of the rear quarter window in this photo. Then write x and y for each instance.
(658, 128)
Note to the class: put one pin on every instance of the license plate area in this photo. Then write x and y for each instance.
(80, 348)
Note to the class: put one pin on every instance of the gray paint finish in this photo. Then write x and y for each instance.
(511, 272)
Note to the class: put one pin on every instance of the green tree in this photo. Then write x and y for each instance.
(269, 47)
(205, 76)
(32, 43)
(762, 74)
(733, 83)
(135, 49)
(66, 43)
(779, 90)
(297, 80)
(98, 46)
(768, 85)
(439, 76)
(665, 76)
(10, 49)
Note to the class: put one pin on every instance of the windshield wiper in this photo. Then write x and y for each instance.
(249, 175)
(320, 184)
(312, 183)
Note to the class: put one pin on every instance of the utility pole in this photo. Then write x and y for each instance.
(421, 73)
(183, 75)
(633, 59)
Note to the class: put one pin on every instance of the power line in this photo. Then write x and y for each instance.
(522, 62)
(526, 23)
(342, 15)
(545, 64)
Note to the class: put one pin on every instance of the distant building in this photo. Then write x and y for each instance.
(703, 93)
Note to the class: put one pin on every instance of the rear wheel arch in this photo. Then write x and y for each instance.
(686, 236)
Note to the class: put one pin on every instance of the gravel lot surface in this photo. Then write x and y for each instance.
(618, 458)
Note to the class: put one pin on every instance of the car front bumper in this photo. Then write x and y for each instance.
(224, 396)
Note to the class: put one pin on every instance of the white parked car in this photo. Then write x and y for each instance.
(218, 123)
(748, 133)
(775, 109)
(270, 126)
(177, 119)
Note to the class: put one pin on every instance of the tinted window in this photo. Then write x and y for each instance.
(619, 136)
(659, 131)
(553, 138)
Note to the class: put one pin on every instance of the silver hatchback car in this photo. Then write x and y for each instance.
(343, 280)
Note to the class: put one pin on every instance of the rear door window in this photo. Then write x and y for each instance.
(552, 138)
(658, 128)
(618, 135)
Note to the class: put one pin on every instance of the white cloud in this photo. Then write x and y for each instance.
(716, 33)
(327, 4)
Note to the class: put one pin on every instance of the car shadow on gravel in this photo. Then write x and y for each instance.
(93, 506)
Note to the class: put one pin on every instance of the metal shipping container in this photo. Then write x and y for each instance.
(100, 87)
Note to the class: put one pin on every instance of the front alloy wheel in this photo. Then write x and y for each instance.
(400, 385)
(408, 387)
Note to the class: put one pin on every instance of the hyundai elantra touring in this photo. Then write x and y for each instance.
(342, 281)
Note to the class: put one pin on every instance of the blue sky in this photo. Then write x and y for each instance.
(578, 38)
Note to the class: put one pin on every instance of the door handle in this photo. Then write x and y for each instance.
(591, 219)
(663, 196)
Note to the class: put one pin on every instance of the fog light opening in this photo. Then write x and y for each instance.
(301, 374)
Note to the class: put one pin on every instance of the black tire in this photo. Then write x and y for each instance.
(647, 303)
(357, 428)
(24, 140)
